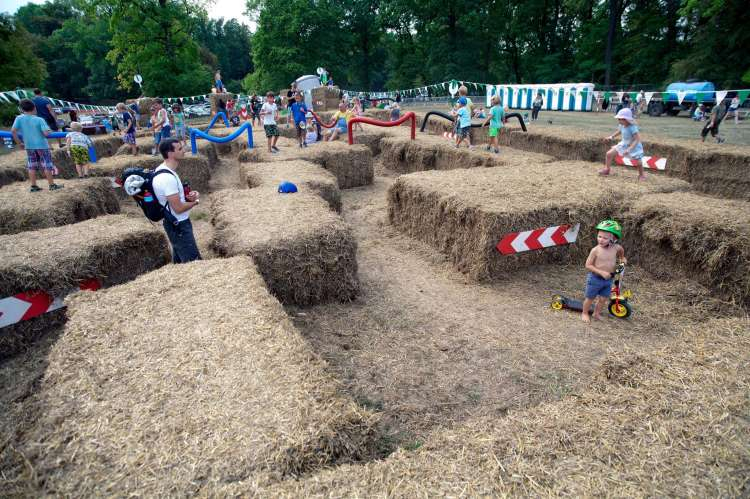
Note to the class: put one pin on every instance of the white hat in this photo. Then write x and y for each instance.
(625, 114)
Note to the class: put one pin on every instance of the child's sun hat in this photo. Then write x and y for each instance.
(625, 114)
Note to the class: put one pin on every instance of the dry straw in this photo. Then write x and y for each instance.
(704, 238)
(352, 165)
(304, 251)
(464, 213)
(81, 199)
(669, 422)
(184, 380)
(305, 175)
(145, 145)
(192, 169)
(112, 248)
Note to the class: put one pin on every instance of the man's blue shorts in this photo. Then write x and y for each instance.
(596, 285)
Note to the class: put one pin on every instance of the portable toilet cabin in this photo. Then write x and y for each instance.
(305, 84)
(557, 96)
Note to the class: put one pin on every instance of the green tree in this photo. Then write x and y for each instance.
(154, 38)
(21, 67)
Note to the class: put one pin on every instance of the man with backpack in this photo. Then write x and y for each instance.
(170, 194)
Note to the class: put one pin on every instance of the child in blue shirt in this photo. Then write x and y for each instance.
(299, 112)
(629, 147)
(463, 118)
(34, 131)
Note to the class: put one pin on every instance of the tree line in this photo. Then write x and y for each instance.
(90, 49)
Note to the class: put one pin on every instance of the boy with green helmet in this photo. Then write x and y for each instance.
(601, 265)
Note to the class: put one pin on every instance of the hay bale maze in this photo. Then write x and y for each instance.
(81, 199)
(203, 382)
(671, 422)
(305, 252)
(214, 99)
(464, 213)
(192, 169)
(352, 165)
(112, 248)
(703, 238)
(308, 177)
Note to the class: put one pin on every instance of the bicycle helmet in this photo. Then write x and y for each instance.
(611, 226)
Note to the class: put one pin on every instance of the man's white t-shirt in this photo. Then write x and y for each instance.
(270, 110)
(167, 185)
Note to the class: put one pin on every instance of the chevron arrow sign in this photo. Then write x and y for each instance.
(651, 162)
(546, 237)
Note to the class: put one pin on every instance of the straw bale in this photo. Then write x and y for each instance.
(352, 165)
(21, 210)
(464, 213)
(112, 248)
(703, 238)
(13, 167)
(305, 175)
(305, 252)
(145, 145)
(668, 423)
(195, 392)
(326, 98)
(711, 168)
(214, 99)
(192, 169)
(144, 108)
(405, 155)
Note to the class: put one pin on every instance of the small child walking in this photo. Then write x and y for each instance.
(78, 148)
(270, 113)
(128, 128)
(630, 145)
(299, 112)
(463, 119)
(180, 129)
(34, 131)
(357, 112)
(395, 111)
(495, 119)
(601, 265)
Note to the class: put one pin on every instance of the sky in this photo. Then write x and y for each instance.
(227, 9)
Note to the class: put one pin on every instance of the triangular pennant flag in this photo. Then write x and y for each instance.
(619, 95)
(607, 94)
(742, 95)
(14, 95)
(633, 96)
(720, 96)
(648, 96)
(681, 95)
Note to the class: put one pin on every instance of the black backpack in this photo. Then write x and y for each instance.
(145, 197)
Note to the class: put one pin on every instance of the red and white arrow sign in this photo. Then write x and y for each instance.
(30, 304)
(651, 162)
(546, 237)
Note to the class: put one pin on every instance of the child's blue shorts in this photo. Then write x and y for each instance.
(596, 285)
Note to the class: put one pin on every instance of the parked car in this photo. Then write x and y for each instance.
(669, 103)
(93, 124)
(197, 110)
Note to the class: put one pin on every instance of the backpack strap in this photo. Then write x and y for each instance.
(166, 205)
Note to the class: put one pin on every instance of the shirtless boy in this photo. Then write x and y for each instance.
(601, 265)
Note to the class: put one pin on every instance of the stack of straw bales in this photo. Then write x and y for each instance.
(146, 144)
(326, 98)
(703, 238)
(13, 167)
(21, 210)
(192, 169)
(672, 422)
(144, 108)
(465, 213)
(405, 155)
(352, 165)
(305, 175)
(305, 252)
(112, 248)
(214, 99)
(199, 382)
(711, 168)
